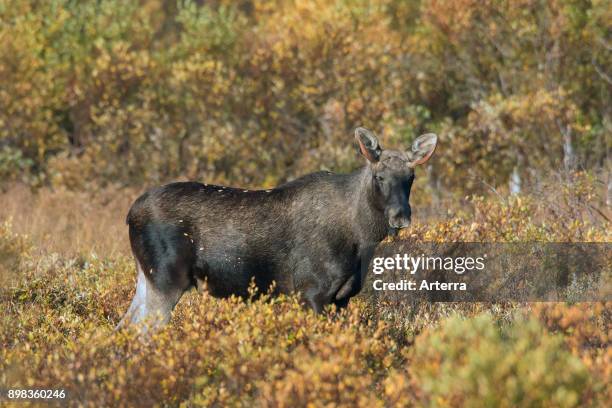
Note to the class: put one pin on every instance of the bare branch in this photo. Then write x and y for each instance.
(601, 73)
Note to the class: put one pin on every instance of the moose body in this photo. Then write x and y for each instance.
(311, 235)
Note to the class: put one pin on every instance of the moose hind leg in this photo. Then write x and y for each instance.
(151, 305)
(164, 265)
(138, 301)
(158, 306)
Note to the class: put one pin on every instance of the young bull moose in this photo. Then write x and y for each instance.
(310, 235)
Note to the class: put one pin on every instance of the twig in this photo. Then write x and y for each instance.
(490, 187)
(602, 74)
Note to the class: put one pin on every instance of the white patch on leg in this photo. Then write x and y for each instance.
(135, 312)
(140, 297)
(149, 305)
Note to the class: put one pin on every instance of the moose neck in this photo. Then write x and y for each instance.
(369, 216)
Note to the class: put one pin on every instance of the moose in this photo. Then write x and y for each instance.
(311, 235)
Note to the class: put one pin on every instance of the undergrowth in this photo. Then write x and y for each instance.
(60, 310)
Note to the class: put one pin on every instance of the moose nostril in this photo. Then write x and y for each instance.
(394, 213)
(398, 218)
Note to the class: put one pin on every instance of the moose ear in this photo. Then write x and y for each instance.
(422, 149)
(368, 144)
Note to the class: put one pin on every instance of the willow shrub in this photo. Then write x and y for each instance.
(257, 92)
(474, 363)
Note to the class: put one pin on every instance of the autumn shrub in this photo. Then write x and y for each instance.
(13, 249)
(501, 70)
(61, 307)
(567, 210)
(258, 92)
(585, 329)
(270, 352)
(226, 352)
(473, 363)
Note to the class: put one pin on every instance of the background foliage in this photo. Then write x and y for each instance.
(257, 92)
